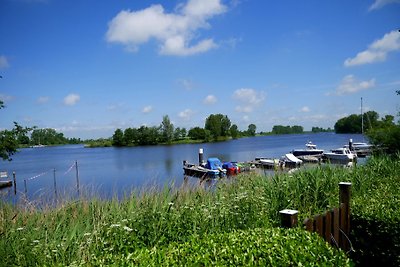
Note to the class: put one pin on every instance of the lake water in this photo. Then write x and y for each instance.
(114, 171)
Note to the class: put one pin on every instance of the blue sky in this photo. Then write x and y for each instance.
(86, 68)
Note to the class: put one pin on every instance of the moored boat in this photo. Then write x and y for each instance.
(310, 150)
(340, 154)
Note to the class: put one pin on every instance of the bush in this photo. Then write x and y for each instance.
(256, 247)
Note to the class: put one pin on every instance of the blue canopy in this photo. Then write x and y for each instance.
(214, 163)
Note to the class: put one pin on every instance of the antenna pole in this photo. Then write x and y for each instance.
(362, 118)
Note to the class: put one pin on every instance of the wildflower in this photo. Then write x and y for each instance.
(115, 225)
(128, 229)
(20, 228)
(35, 241)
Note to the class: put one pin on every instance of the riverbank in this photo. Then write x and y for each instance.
(151, 226)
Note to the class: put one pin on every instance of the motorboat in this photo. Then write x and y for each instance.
(290, 160)
(340, 154)
(212, 169)
(267, 162)
(310, 150)
(360, 148)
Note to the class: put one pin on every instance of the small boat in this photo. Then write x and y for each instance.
(267, 162)
(290, 160)
(231, 168)
(4, 183)
(340, 154)
(310, 150)
(212, 169)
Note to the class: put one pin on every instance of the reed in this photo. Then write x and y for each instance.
(94, 230)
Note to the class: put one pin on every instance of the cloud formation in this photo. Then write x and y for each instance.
(186, 114)
(248, 99)
(43, 99)
(71, 99)
(175, 32)
(305, 109)
(377, 51)
(381, 3)
(210, 100)
(3, 62)
(147, 109)
(351, 85)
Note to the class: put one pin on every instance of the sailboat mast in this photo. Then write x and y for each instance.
(362, 118)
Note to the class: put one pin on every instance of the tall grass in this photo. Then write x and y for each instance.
(90, 230)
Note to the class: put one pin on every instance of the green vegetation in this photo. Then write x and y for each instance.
(217, 127)
(234, 224)
(353, 123)
(9, 139)
(279, 129)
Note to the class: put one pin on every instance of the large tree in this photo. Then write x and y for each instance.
(167, 130)
(251, 130)
(218, 125)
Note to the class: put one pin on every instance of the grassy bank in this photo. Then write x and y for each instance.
(235, 224)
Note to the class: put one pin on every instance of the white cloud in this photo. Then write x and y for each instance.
(186, 114)
(305, 109)
(6, 98)
(71, 99)
(3, 62)
(186, 83)
(175, 32)
(248, 99)
(381, 3)
(43, 99)
(350, 85)
(210, 100)
(147, 109)
(377, 51)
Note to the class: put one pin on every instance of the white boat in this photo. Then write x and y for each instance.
(340, 154)
(267, 162)
(290, 160)
(310, 150)
(360, 148)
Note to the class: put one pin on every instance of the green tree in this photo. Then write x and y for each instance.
(218, 125)
(9, 138)
(118, 138)
(197, 133)
(251, 130)
(167, 130)
(130, 136)
(234, 131)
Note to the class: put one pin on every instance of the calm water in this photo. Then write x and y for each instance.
(115, 171)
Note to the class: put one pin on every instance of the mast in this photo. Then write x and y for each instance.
(362, 118)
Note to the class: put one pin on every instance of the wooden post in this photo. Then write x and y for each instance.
(344, 198)
(289, 218)
(77, 175)
(25, 186)
(15, 183)
(55, 184)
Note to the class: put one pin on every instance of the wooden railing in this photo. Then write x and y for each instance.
(333, 225)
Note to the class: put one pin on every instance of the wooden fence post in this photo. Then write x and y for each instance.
(288, 218)
(344, 198)
(15, 183)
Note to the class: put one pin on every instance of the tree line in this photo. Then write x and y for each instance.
(217, 127)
